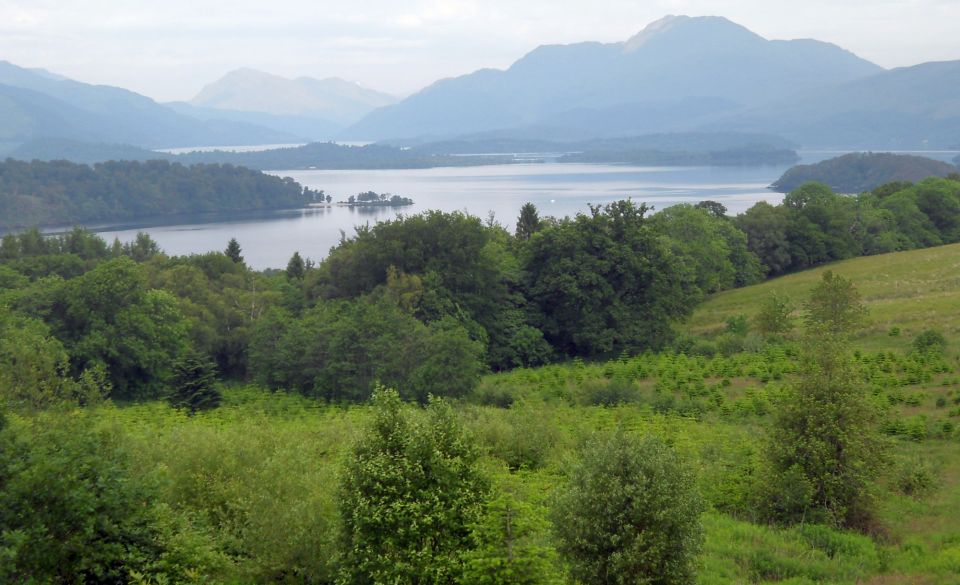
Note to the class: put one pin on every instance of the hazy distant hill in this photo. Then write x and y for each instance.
(306, 127)
(76, 151)
(675, 149)
(25, 114)
(37, 104)
(858, 172)
(707, 64)
(665, 142)
(332, 100)
(907, 108)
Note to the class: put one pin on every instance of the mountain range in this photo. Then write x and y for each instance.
(678, 75)
(37, 104)
(318, 109)
(334, 99)
(687, 74)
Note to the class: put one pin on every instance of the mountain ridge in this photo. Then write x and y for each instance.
(250, 90)
(673, 58)
(101, 113)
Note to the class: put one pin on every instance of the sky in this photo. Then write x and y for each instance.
(169, 49)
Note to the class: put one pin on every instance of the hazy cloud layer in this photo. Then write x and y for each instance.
(169, 49)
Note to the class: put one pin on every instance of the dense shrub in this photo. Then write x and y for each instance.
(629, 514)
(930, 340)
(340, 349)
(71, 511)
(409, 493)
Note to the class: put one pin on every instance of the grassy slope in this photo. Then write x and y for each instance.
(914, 291)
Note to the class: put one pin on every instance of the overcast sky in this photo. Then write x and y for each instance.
(168, 49)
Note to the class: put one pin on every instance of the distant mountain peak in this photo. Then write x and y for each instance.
(671, 25)
(251, 90)
(652, 30)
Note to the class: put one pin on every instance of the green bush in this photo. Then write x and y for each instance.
(916, 478)
(836, 543)
(523, 437)
(262, 483)
(72, 512)
(738, 325)
(409, 493)
(729, 344)
(500, 396)
(630, 513)
(703, 347)
(930, 341)
(774, 316)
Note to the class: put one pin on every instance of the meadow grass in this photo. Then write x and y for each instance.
(913, 291)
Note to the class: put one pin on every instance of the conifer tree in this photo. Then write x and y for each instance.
(194, 382)
(233, 251)
(528, 223)
(296, 267)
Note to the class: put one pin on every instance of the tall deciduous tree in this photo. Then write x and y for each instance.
(605, 283)
(70, 510)
(823, 445)
(109, 316)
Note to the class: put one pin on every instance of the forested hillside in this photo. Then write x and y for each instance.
(59, 192)
(863, 171)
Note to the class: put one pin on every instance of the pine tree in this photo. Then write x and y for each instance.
(194, 380)
(233, 251)
(528, 223)
(296, 267)
(509, 546)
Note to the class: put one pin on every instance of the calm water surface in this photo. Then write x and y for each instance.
(269, 239)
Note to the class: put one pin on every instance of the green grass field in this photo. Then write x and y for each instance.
(915, 291)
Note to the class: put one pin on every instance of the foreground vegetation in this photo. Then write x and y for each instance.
(360, 435)
(248, 492)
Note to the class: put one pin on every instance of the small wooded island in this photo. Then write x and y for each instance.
(371, 199)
